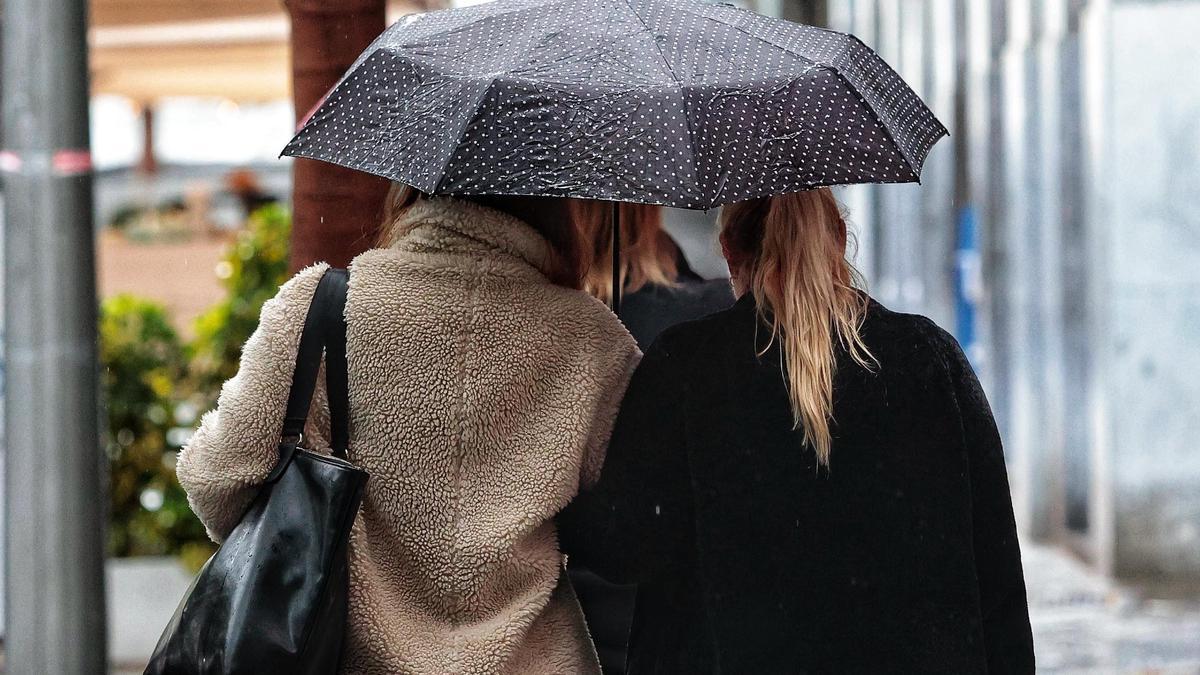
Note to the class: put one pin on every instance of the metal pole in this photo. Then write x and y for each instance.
(617, 281)
(55, 505)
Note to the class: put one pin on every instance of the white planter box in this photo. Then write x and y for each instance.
(142, 595)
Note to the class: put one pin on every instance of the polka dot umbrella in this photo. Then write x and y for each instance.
(676, 102)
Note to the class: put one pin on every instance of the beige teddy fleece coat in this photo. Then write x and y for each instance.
(481, 398)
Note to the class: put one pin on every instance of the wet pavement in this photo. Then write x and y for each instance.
(1083, 623)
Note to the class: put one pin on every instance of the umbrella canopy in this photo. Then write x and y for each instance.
(673, 102)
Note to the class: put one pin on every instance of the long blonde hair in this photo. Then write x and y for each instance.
(648, 255)
(790, 252)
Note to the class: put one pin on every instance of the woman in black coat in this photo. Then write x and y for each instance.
(807, 482)
(660, 287)
(660, 290)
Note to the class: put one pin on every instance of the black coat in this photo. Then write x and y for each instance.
(651, 309)
(901, 558)
(646, 312)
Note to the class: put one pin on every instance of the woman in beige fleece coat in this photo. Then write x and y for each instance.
(482, 395)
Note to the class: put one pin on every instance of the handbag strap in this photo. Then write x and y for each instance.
(324, 330)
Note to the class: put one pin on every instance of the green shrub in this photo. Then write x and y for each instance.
(142, 361)
(155, 387)
(125, 215)
(251, 271)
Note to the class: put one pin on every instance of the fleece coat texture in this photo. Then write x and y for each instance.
(482, 397)
(902, 557)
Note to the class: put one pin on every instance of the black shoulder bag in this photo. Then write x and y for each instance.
(273, 598)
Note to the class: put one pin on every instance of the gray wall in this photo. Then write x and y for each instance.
(1150, 192)
(1076, 144)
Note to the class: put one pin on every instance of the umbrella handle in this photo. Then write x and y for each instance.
(616, 258)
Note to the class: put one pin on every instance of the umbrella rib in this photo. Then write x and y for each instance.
(760, 38)
(874, 113)
(462, 131)
(662, 57)
(832, 68)
(678, 88)
(532, 9)
(942, 131)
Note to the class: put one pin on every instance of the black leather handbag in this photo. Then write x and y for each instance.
(273, 598)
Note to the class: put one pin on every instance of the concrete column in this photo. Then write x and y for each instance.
(1050, 18)
(336, 211)
(148, 164)
(987, 32)
(858, 17)
(55, 505)
(1078, 339)
(1019, 220)
(936, 216)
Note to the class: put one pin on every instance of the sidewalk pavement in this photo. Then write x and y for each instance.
(1082, 622)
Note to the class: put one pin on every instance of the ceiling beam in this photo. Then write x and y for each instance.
(242, 72)
(135, 12)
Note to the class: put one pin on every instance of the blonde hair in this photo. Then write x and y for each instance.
(790, 252)
(570, 256)
(648, 255)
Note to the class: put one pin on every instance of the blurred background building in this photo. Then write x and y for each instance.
(1056, 234)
